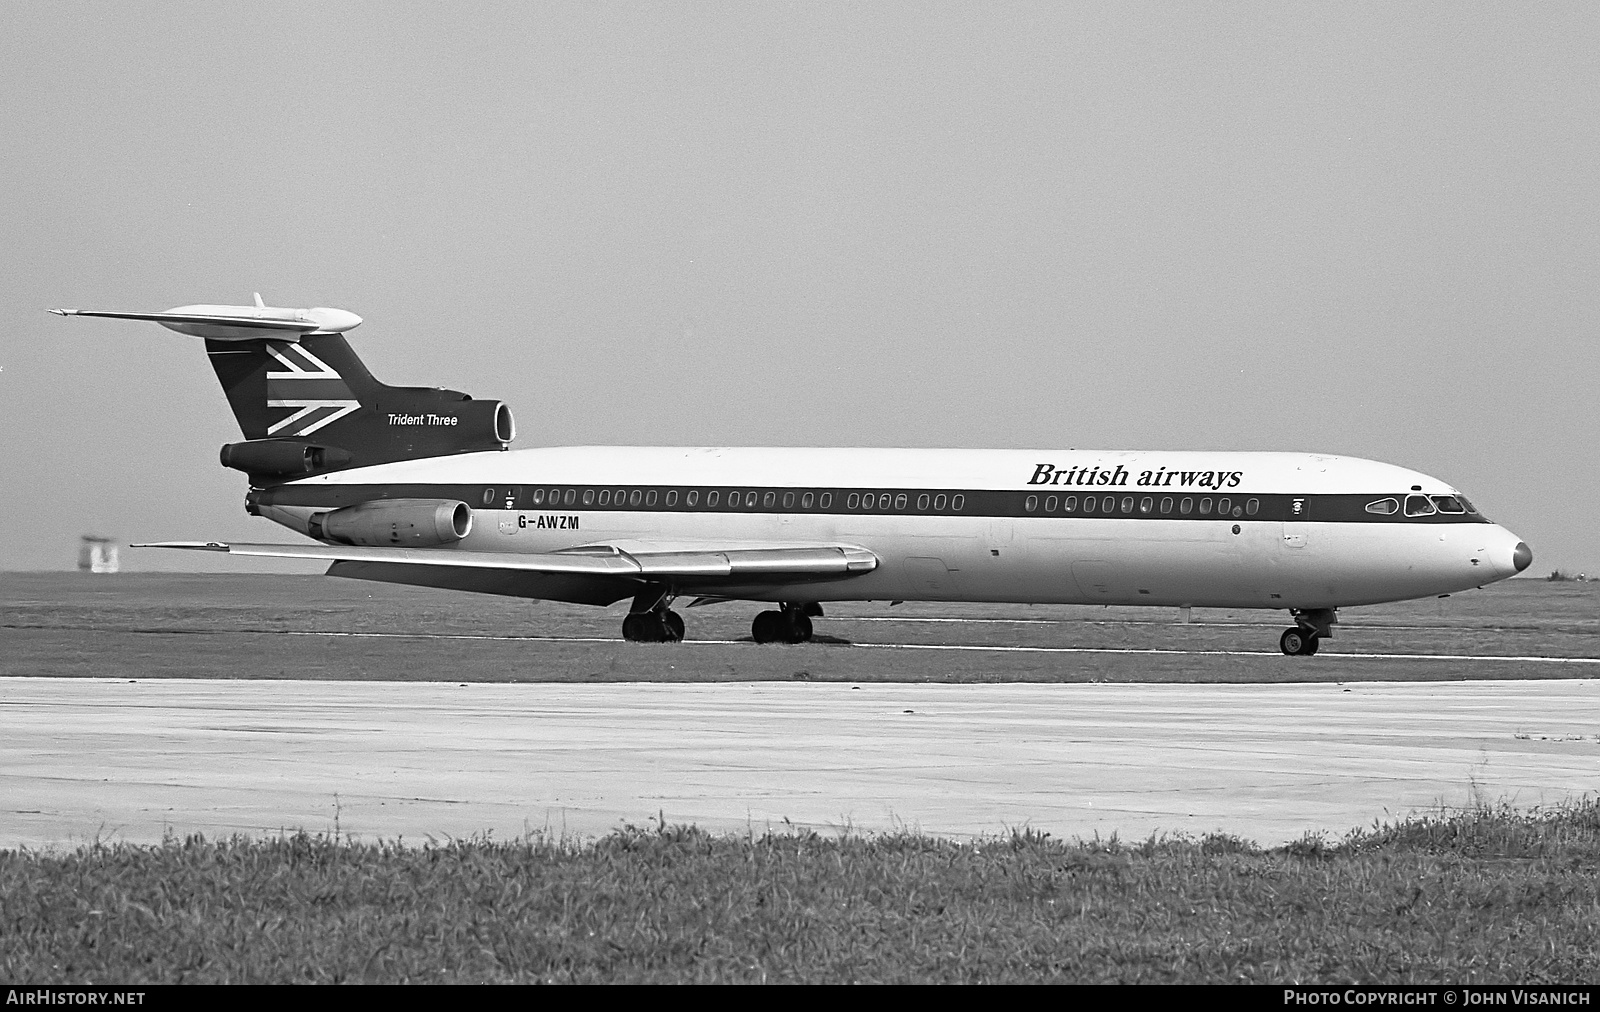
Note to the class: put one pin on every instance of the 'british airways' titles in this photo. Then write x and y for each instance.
(1049, 474)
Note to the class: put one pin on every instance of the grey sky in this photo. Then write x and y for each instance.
(1358, 229)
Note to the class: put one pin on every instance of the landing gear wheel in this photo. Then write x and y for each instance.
(1292, 642)
(632, 627)
(768, 627)
(799, 626)
(1298, 642)
(652, 627)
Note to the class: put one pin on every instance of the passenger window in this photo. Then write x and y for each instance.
(588, 497)
(605, 497)
(788, 500)
(1109, 504)
(852, 502)
(883, 501)
(1448, 504)
(958, 502)
(1383, 506)
(634, 497)
(1224, 506)
(938, 502)
(1205, 506)
(650, 497)
(900, 501)
(672, 497)
(1251, 506)
(826, 500)
(1050, 504)
(1070, 504)
(538, 496)
(1166, 505)
(711, 498)
(692, 496)
(733, 498)
(570, 497)
(1418, 506)
(1146, 504)
(1031, 504)
(488, 496)
(806, 501)
(620, 496)
(922, 501)
(1186, 507)
(1127, 504)
(750, 499)
(769, 500)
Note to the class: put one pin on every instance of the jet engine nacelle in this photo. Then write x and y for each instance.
(395, 523)
(280, 458)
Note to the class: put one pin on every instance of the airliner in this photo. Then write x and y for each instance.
(419, 486)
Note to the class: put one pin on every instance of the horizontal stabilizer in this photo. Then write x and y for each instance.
(238, 323)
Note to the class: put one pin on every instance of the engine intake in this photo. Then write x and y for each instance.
(394, 523)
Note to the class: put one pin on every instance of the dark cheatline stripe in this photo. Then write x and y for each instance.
(1100, 504)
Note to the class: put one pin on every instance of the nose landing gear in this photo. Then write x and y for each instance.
(1298, 642)
(1311, 625)
(790, 624)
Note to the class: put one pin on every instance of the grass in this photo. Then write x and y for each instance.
(1489, 895)
(310, 627)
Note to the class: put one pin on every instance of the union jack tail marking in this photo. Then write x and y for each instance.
(308, 384)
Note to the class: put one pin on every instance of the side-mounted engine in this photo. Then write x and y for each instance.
(394, 523)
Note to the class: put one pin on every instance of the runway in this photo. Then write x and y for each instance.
(962, 647)
(116, 759)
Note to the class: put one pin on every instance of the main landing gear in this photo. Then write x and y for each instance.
(1311, 625)
(650, 620)
(790, 624)
(660, 626)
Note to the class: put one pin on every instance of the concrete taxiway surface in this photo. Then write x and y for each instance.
(121, 760)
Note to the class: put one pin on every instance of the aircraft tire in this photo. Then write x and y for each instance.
(768, 627)
(799, 626)
(1293, 642)
(1309, 647)
(648, 627)
(673, 623)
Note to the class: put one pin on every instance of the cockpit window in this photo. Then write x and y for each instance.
(1448, 504)
(1418, 506)
(1384, 506)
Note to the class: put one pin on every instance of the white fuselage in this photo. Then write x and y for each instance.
(1306, 542)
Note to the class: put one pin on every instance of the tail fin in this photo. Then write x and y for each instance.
(311, 405)
(307, 405)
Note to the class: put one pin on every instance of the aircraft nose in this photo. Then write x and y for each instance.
(1522, 556)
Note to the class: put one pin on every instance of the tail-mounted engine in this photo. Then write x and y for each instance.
(282, 458)
(394, 523)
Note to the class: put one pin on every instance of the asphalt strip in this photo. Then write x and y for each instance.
(968, 648)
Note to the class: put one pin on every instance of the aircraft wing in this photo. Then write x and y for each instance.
(701, 565)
